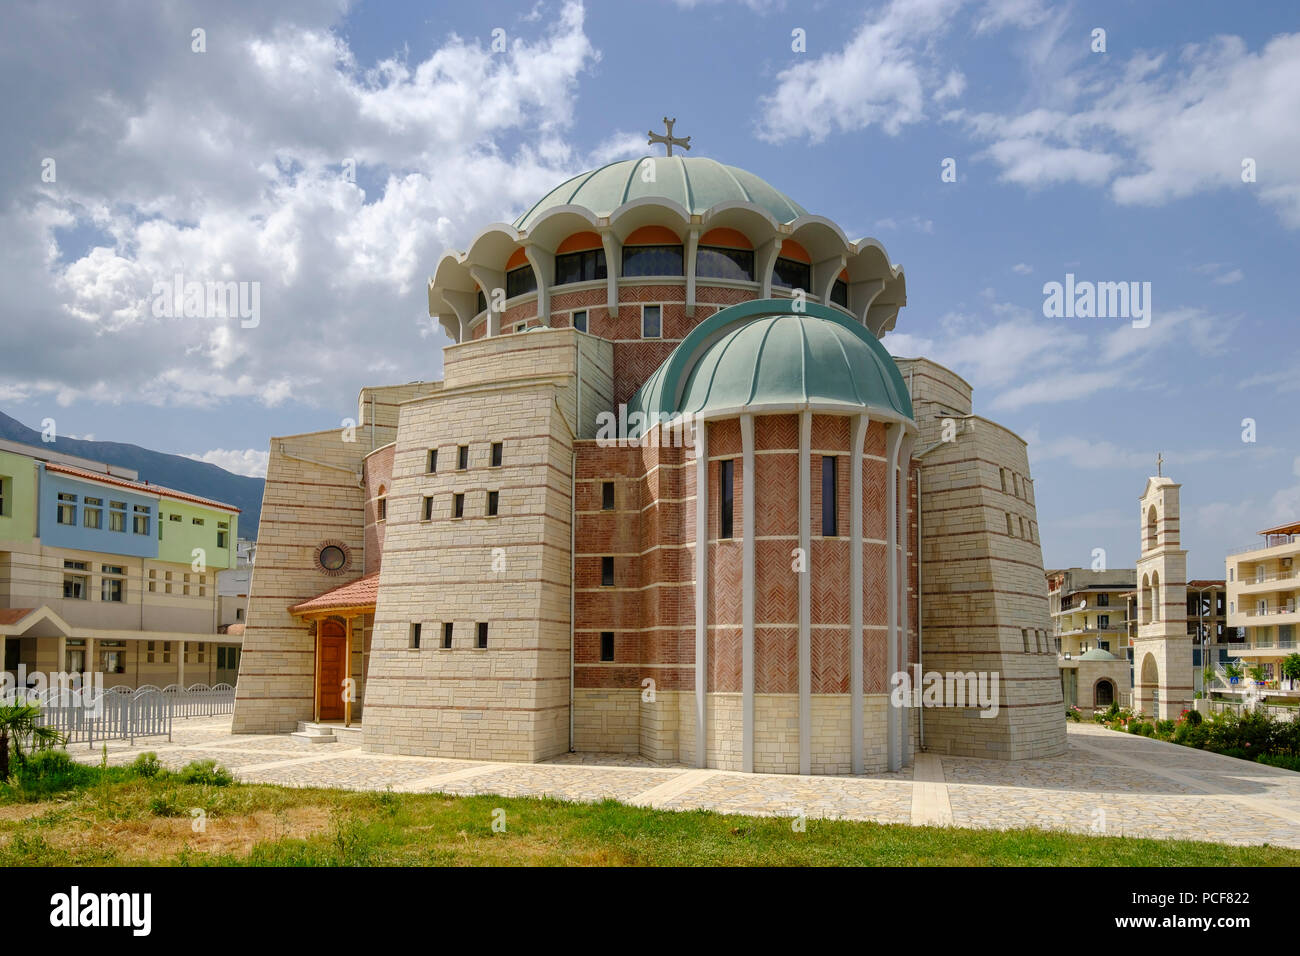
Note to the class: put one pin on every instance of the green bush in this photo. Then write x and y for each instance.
(51, 771)
(206, 772)
(1285, 761)
(1165, 728)
(165, 805)
(1194, 717)
(146, 765)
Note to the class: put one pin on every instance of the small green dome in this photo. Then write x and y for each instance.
(697, 184)
(764, 353)
(1097, 654)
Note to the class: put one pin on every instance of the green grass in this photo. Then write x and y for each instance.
(116, 816)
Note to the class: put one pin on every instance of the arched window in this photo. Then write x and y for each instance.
(480, 303)
(1104, 693)
(840, 290)
(793, 268)
(1146, 599)
(1155, 596)
(1151, 527)
(653, 251)
(580, 258)
(725, 254)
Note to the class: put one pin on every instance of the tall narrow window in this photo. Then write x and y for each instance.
(458, 506)
(462, 457)
(606, 645)
(381, 508)
(607, 496)
(431, 463)
(481, 638)
(726, 496)
(1011, 530)
(607, 572)
(67, 513)
(496, 454)
(415, 637)
(830, 504)
(651, 321)
(580, 320)
(493, 497)
(446, 634)
(117, 516)
(141, 519)
(428, 507)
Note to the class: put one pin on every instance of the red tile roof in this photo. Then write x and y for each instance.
(360, 593)
(12, 615)
(1206, 583)
(138, 486)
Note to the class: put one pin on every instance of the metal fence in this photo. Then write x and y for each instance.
(1276, 711)
(121, 713)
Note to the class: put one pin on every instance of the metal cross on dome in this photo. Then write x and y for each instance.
(1160, 461)
(669, 140)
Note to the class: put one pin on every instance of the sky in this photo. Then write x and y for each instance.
(330, 152)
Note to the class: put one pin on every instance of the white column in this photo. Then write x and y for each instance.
(893, 443)
(180, 664)
(748, 585)
(701, 587)
(904, 460)
(859, 434)
(805, 594)
(613, 269)
(692, 244)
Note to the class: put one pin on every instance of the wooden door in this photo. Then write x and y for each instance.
(330, 670)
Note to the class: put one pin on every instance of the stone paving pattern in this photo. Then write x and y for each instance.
(1142, 787)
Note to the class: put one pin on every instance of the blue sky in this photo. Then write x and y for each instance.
(1115, 166)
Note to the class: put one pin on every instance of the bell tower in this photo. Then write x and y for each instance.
(1162, 650)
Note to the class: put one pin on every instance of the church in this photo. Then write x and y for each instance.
(783, 518)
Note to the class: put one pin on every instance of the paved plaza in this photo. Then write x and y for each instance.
(1107, 782)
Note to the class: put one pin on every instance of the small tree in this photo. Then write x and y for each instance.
(1291, 666)
(1232, 671)
(1257, 674)
(20, 725)
(1208, 675)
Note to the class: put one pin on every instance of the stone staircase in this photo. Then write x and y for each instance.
(327, 733)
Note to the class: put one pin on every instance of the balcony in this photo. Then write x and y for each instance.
(1270, 541)
(1263, 648)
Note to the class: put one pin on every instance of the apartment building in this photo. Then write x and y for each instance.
(1262, 592)
(1090, 633)
(100, 571)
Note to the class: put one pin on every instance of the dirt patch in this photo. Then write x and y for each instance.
(161, 838)
(21, 811)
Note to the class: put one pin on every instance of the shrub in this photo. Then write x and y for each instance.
(1165, 728)
(1285, 761)
(165, 805)
(51, 771)
(146, 765)
(1193, 717)
(206, 772)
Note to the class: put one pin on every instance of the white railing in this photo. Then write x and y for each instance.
(120, 713)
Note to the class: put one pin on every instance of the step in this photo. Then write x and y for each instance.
(314, 736)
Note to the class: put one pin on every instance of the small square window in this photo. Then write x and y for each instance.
(496, 454)
(580, 320)
(481, 640)
(606, 645)
(607, 496)
(458, 506)
(446, 634)
(492, 499)
(431, 462)
(414, 641)
(651, 322)
(462, 457)
(521, 326)
(428, 507)
(607, 572)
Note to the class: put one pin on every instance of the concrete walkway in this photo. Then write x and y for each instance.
(1108, 783)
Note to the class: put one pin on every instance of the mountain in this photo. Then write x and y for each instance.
(172, 471)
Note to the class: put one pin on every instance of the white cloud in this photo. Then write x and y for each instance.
(885, 71)
(228, 166)
(247, 461)
(1164, 128)
(1022, 269)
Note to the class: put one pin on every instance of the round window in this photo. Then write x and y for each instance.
(332, 558)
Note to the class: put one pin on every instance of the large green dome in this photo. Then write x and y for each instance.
(695, 183)
(765, 353)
